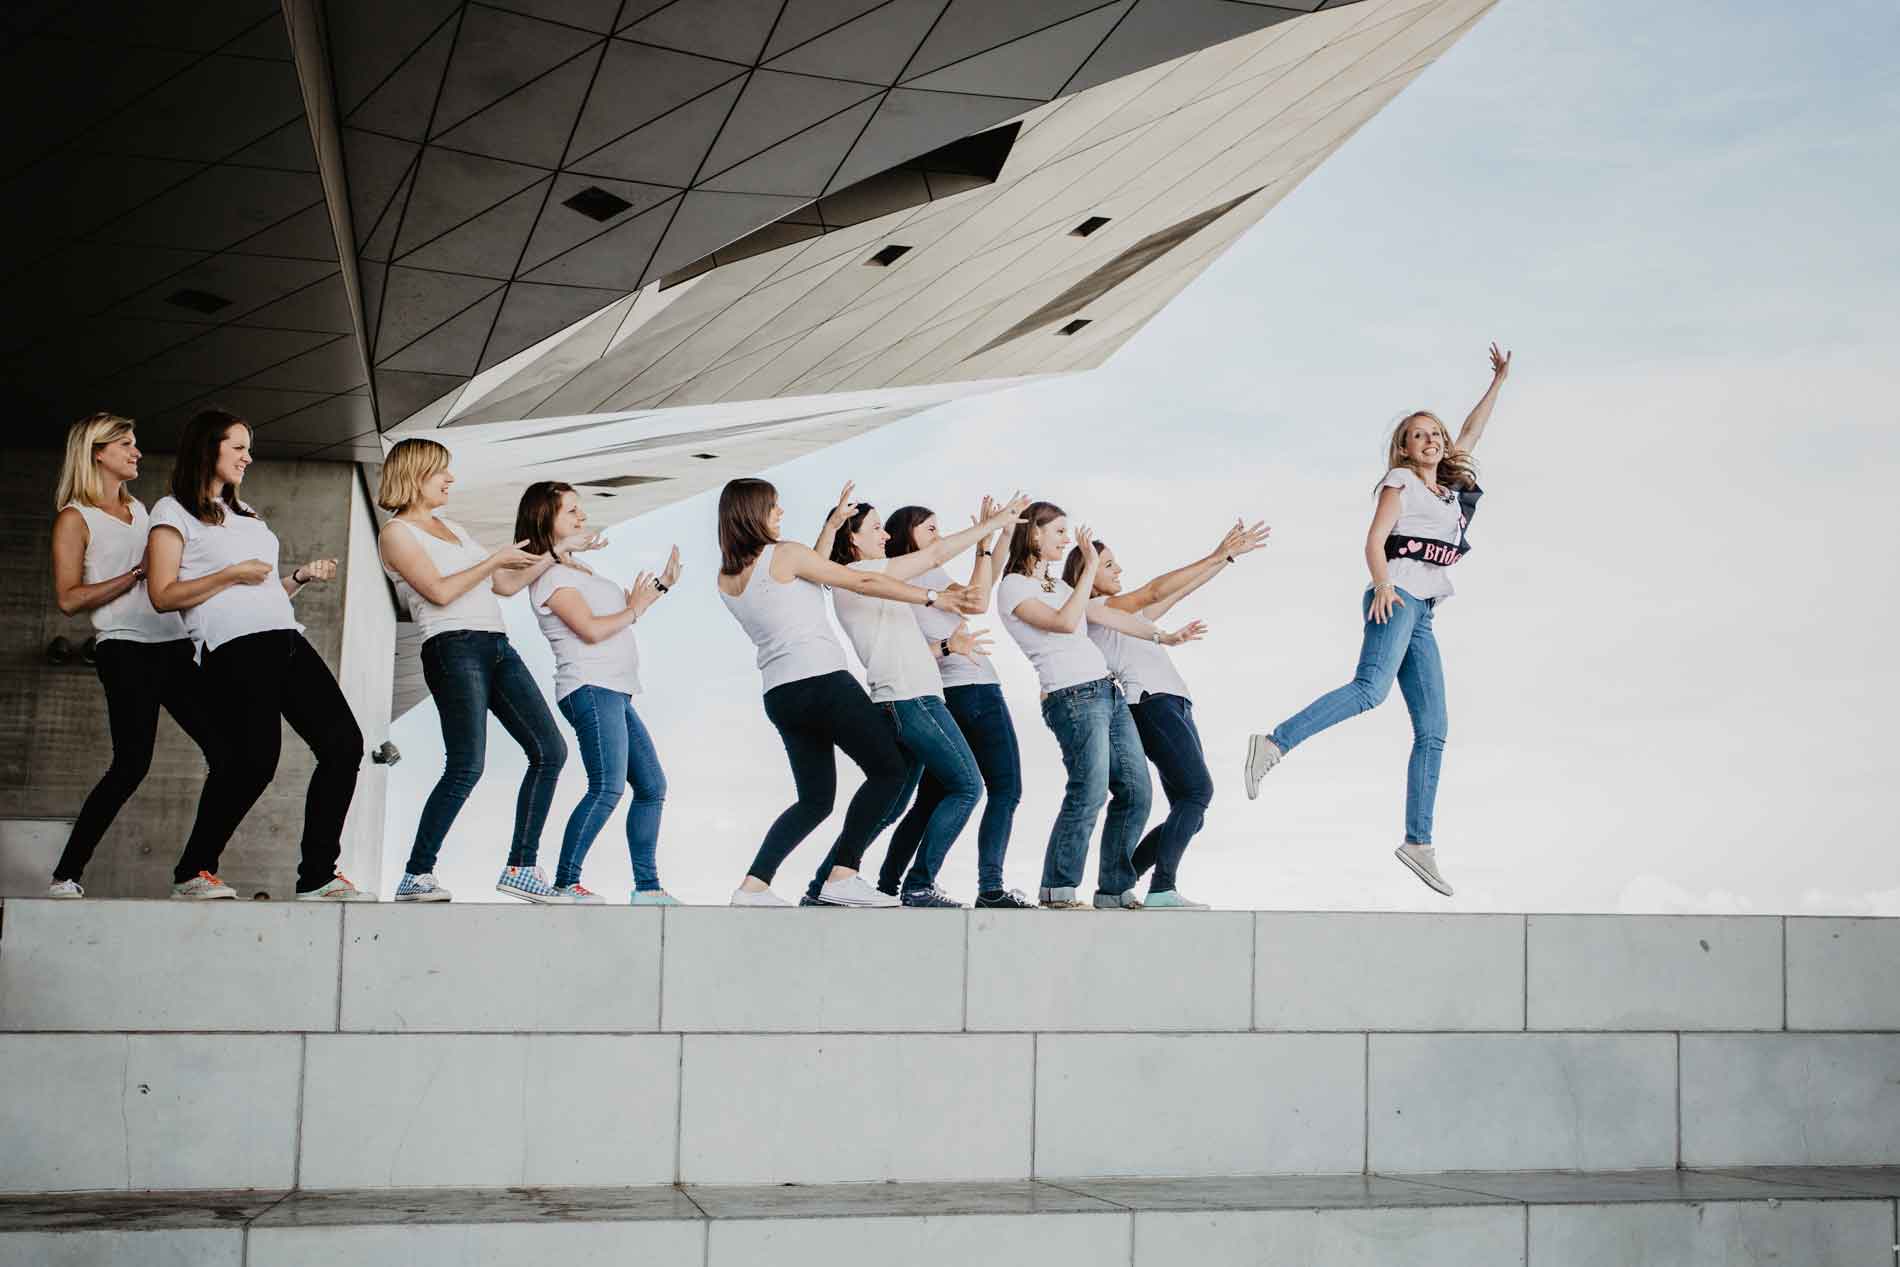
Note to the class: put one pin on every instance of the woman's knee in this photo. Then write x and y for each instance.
(1370, 692)
(549, 753)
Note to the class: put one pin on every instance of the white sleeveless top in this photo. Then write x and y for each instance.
(114, 548)
(897, 662)
(477, 610)
(1142, 667)
(236, 610)
(786, 621)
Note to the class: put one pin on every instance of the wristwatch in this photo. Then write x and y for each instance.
(981, 553)
(943, 647)
(930, 598)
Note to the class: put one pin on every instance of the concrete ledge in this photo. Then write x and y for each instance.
(1811, 1233)
(1790, 1099)
(995, 1240)
(166, 965)
(424, 968)
(1844, 974)
(193, 1247)
(1468, 1236)
(1653, 972)
(1388, 971)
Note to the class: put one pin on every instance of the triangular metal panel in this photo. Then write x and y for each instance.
(910, 123)
(875, 48)
(669, 150)
(307, 235)
(1033, 66)
(452, 186)
(532, 125)
(800, 164)
(1156, 33)
(775, 106)
(289, 146)
(531, 313)
(375, 167)
(322, 306)
(400, 393)
(617, 258)
(562, 228)
(708, 220)
(370, 38)
(974, 26)
(402, 104)
(452, 347)
(594, 15)
(334, 367)
(733, 30)
(804, 20)
(636, 85)
(416, 301)
(487, 246)
(496, 53)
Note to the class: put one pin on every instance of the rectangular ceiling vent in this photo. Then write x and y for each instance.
(597, 204)
(1073, 326)
(624, 481)
(889, 255)
(198, 300)
(707, 457)
(1088, 226)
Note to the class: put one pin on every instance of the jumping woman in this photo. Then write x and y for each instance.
(774, 589)
(1081, 704)
(1159, 701)
(588, 621)
(1426, 501)
(899, 668)
(211, 557)
(450, 585)
(144, 656)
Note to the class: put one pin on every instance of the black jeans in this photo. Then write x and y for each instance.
(139, 678)
(814, 715)
(260, 678)
(1171, 740)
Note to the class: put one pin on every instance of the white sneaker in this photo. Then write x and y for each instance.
(575, 894)
(64, 890)
(1262, 755)
(337, 889)
(202, 888)
(853, 891)
(1423, 860)
(764, 897)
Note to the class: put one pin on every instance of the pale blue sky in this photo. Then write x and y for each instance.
(1668, 664)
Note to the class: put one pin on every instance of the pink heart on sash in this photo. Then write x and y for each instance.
(1413, 547)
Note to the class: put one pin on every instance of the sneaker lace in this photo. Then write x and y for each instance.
(208, 878)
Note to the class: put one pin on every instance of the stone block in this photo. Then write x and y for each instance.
(760, 971)
(147, 1111)
(1522, 1101)
(227, 965)
(1352, 971)
(1719, 1234)
(574, 1244)
(1654, 972)
(1442, 1236)
(1844, 974)
(841, 1108)
(449, 1110)
(995, 1240)
(172, 1247)
(1199, 1104)
(1790, 1099)
(449, 967)
(1111, 971)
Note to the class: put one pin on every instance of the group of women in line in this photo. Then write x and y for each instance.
(929, 726)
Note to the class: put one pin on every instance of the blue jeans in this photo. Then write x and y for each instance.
(983, 718)
(618, 754)
(1403, 647)
(1102, 752)
(470, 674)
(1173, 742)
(931, 742)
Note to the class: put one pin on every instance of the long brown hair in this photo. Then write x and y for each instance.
(842, 551)
(1022, 537)
(197, 466)
(745, 509)
(534, 517)
(1456, 469)
(1073, 565)
(903, 525)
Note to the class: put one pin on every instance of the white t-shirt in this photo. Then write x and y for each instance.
(1422, 515)
(936, 624)
(897, 663)
(1061, 660)
(236, 610)
(477, 610)
(1141, 666)
(786, 622)
(613, 663)
(113, 548)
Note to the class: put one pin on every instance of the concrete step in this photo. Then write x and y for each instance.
(1817, 1217)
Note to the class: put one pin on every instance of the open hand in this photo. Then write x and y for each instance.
(670, 574)
(1384, 599)
(1241, 539)
(579, 543)
(1500, 364)
(969, 642)
(515, 557)
(315, 570)
(1085, 543)
(642, 594)
(961, 598)
(844, 509)
(1193, 631)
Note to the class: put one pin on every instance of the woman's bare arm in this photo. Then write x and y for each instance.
(70, 592)
(163, 550)
(943, 549)
(792, 561)
(1473, 430)
(1384, 594)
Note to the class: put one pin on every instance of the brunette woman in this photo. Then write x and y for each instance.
(1426, 500)
(451, 585)
(214, 559)
(144, 656)
(588, 621)
(774, 589)
(1159, 701)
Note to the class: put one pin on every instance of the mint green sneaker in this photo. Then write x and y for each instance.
(653, 897)
(1169, 900)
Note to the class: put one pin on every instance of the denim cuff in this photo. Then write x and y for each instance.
(1107, 900)
(1059, 895)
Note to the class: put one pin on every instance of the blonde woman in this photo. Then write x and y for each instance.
(1426, 501)
(144, 656)
(452, 587)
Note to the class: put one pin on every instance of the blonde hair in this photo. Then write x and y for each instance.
(1456, 469)
(409, 465)
(79, 475)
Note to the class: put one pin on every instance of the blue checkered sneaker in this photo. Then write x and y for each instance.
(530, 884)
(420, 888)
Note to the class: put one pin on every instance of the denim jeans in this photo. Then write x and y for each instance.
(1403, 647)
(815, 717)
(1173, 742)
(1102, 752)
(983, 718)
(471, 673)
(618, 754)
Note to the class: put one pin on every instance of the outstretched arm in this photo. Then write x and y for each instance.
(835, 520)
(1067, 618)
(943, 549)
(1138, 626)
(407, 558)
(1473, 430)
(1158, 597)
(805, 564)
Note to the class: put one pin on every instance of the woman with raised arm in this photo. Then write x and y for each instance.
(774, 589)
(143, 656)
(1081, 705)
(214, 559)
(903, 678)
(1158, 698)
(450, 585)
(1426, 500)
(589, 620)
(974, 695)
